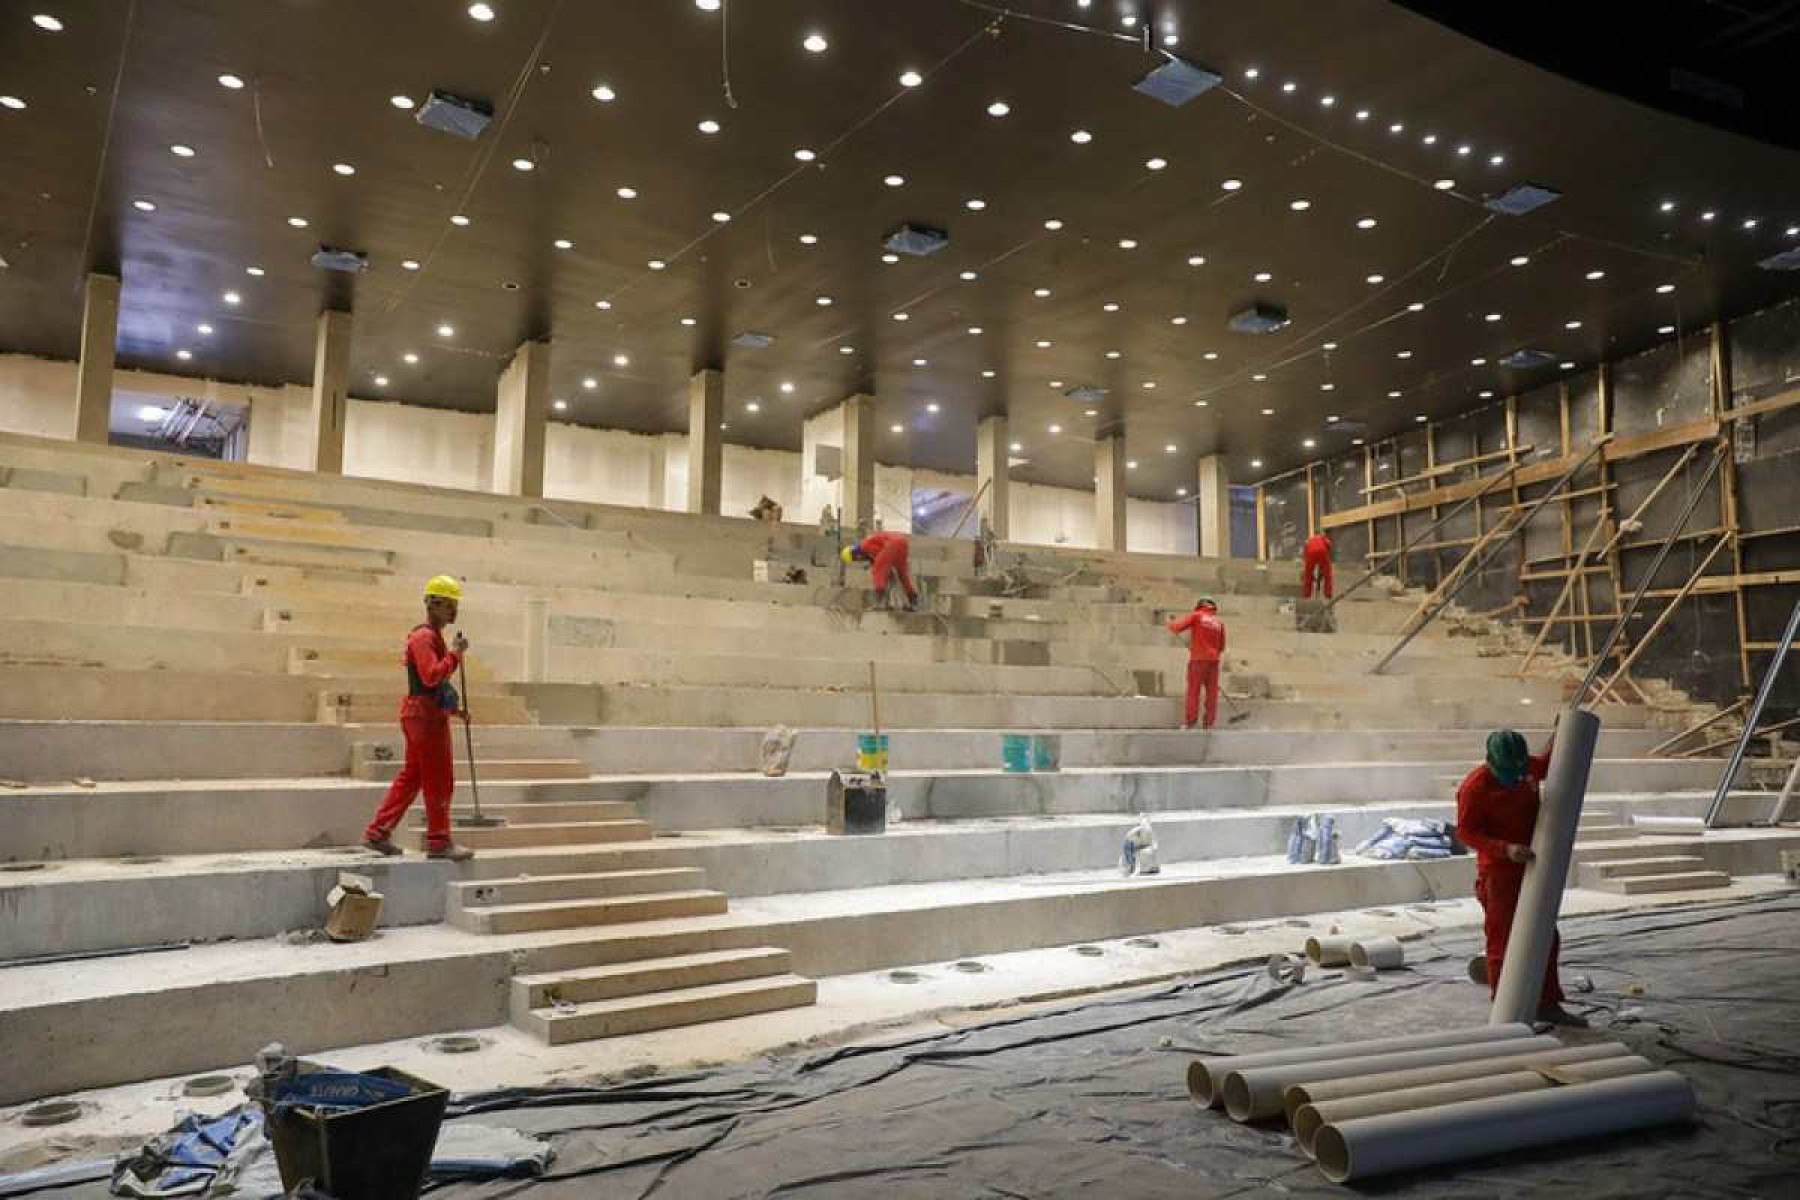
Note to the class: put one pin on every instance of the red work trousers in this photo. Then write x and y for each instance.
(1498, 892)
(1315, 566)
(1202, 674)
(889, 562)
(430, 766)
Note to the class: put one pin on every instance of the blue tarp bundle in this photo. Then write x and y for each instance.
(1411, 838)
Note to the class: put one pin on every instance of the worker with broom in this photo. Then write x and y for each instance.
(1206, 646)
(1496, 814)
(425, 720)
(886, 553)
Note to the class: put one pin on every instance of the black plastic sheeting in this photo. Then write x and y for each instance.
(1091, 1101)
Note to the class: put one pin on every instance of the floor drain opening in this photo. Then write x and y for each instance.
(458, 1044)
(1089, 951)
(905, 977)
(56, 1112)
(1144, 943)
(970, 967)
(139, 860)
(208, 1085)
(24, 866)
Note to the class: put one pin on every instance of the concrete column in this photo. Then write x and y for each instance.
(94, 374)
(991, 452)
(1109, 493)
(656, 487)
(859, 462)
(521, 421)
(330, 390)
(1214, 507)
(706, 442)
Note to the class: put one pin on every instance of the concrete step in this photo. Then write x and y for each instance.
(665, 1010)
(599, 910)
(550, 833)
(530, 812)
(490, 768)
(1599, 874)
(339, 706)
(1602, 817)
(1682, 881)
(619, 980)
(1635, 847)
(539, 889)
(1603, 833)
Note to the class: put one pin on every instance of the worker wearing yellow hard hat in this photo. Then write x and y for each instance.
(425, 721)
(887, 554)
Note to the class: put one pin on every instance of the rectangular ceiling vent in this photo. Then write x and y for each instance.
(1086, 393)
(1522, 198)
(751, 340)
(920, 241)
(1259, 318)
(330, 258)
(1787, 260)
(1177, 81)
(1526, 358)
(457, 115)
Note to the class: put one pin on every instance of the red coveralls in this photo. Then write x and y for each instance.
(1489, 817)
(1205, 648)
(429, 759)
(1315, 562)
(888, 553)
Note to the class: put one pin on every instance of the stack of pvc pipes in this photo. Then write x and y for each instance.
(1394, 1104)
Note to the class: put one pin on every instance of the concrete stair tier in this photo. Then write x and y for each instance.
(695, 1005)
(605, 910)
(540, 833)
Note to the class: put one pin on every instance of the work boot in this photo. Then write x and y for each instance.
(1556, 1014)
(383, 847)
(451, 853)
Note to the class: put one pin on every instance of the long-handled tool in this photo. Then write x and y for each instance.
(478, 820)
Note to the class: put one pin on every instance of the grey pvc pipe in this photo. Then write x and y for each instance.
(1450, 1133)
(1255, 1093)
(1649, 824)
(1310, 1118)
(1553, 846)
(1328, 1091)
(1205, 1075)
(1381, 953)
(1330, 951)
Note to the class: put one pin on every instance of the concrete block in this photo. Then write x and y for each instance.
(665, 1010)
(650, 975)
(599, 910)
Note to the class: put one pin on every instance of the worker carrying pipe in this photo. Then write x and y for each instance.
(1315, 566)
(1206, 646)
(886, 553)
(425, 721)
(1496, 812)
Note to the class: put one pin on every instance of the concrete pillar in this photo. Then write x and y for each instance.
(1214, 507)
(521, 421)
(706, 442)
(859, 462)
(330, 390)
(1109, 493)
(991, 452)
(94, 374)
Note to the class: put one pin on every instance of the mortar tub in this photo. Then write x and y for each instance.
(1405, 1141)
(1329, 1091)
(1313, 1117)
(1206, 1075)
(1255, 1093)
(1381, 953)
(1330, 951)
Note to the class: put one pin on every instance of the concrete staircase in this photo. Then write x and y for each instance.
(1612, 856)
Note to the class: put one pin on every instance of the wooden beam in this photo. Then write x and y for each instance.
(1663, 617)
(1765, 731)
(1262, 525)
(1759, 408)
(1728, 502)
(1433, 472)
(1693, 729)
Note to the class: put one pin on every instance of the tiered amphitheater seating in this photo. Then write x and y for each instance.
(198, 680)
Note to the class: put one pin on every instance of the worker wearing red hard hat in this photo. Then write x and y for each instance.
(425, 720)
(1315, 566)
(1206, 646)
(886, 553)
(1496, 813)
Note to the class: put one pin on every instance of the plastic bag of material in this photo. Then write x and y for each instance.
(777, 748)
(1326, 852)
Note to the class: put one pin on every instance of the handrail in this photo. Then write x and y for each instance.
(1750, 721)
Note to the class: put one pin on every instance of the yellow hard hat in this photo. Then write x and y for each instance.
(444, 586)
(849, 554)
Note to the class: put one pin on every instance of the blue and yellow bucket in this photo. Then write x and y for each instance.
(872, 752)
(1015, 752)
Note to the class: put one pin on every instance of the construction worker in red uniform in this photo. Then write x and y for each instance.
(886, 553)
(425, 720)
(1206, 646)
(1315, 564)
(1496, 813)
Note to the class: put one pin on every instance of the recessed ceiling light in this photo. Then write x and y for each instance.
(1149, 385)
(1329, 346)
(47, 23)
(1362, 114)
(381, 381)
(255, 272)
(1328, 387)
(1593, 275)
(707, 5)
(1444, 185)
(590, 383)
(459, 220)
(657, 264)
(911, 79)
(1421, 418)
(234, 82)
(1044, 344)
(989, 373)
(999, 108)
(894, 180)
(809, 239)
(721, 216)
(804, 155)
(1131, 464)
(974, 331)
(523, 164)
(921, 362)
(1749, 222)
(846, 349)
(1519, 260)
(1081, 137)
(1665, 330)
(1663, 289)
(1128, 244)
(1110, 306)
(1155, 164)
(1232, 185)
(1416, 306)
(297, 222)
(1199, 404)
(1792, 231)
(1299, 205)
(143, 205)
(708, 126)
(232, 298)
(1429, 139)
(604, 93)
(815, 43)
(1268, 412)
(1356, 441)
(1252, 72)
(1211, 356)
(1375, 279)
(1571, 324)
(968, 277)
(1259, 377)
(890, 259)
(181, 151)
(1394, 395)
(1464, 150)
(1196, 260)
(1256, 462)
(902, 316)
(1290, 87)
(1403, 354)
(896, 429)
(482, 12)
(1053, 224)
(823, 301)
(975, 204)
(560, 405)
(1493, 316)
(1308, 443)
(563, 244)
(1262, 277)
(1115, 354)
(1496, 160)
(446, 331)
(603, 305)
(1478, 362)
(1041, 293)
(1667, 206)
(1397, 127)
(1366, 223)
(690, 322)
(1128, 20)
(203, 329)
(934, 407)
(1327, 101)
(1179, 320)
(1567, 366)
(343, 168)
(409, 358)
(401, 102)
(621, 360)
(1708, 215)
(184, 355)
(1055, 429)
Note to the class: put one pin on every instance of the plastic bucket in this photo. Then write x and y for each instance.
(872, 752)
(1046, 752)
(1015, 752)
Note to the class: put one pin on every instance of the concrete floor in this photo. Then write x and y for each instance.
(874, 1006)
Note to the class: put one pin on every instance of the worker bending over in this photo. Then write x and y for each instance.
(1315, 565)
(1206, 646)
(425, 720)
(1496, 813)
(887, 554)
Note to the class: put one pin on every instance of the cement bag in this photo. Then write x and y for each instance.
(777, 748)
